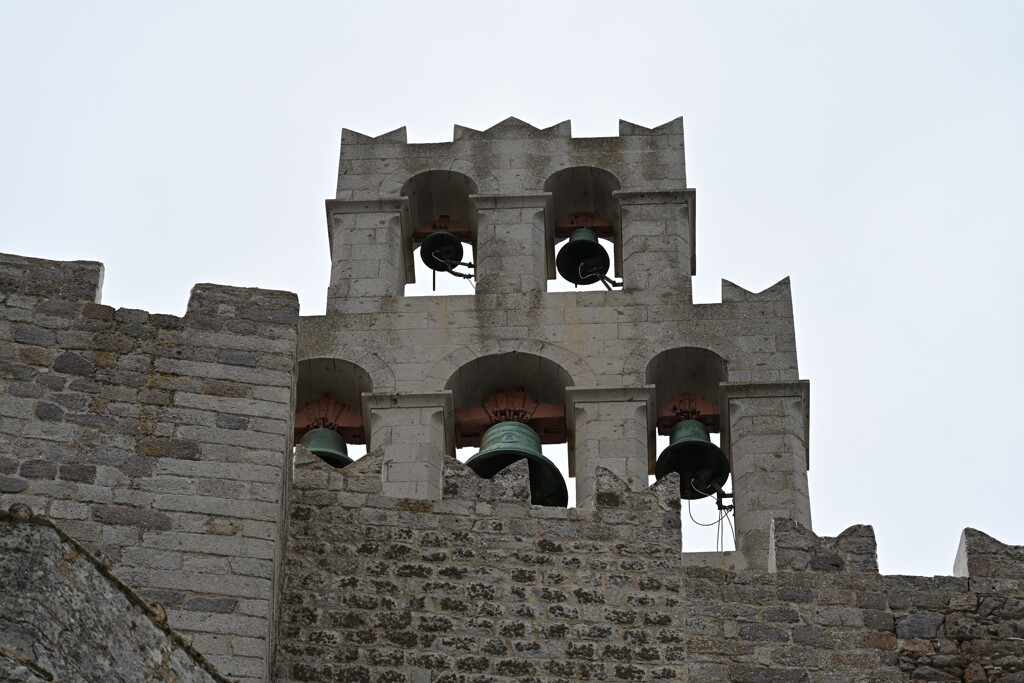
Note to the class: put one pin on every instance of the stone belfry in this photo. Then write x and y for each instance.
(601, 368)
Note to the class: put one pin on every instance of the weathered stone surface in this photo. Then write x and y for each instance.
(64, 617)
(796, 548)
(920, 625)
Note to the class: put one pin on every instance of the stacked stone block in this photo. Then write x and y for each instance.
(159, 442)
(366, 248)
(481, 586)
(613, 429)
(512, 227)
(412, 431)
(767, 428)
(658, 244)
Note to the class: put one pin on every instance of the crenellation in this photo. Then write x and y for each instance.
(175, 449)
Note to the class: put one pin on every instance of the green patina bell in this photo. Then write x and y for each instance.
(698, 461)
(441, 250)
(508, 442)
(328, 445)
(582, 260)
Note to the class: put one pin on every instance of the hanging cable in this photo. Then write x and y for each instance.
(720, 531)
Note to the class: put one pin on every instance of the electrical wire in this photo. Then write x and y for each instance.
(720, 531)
(690, 512)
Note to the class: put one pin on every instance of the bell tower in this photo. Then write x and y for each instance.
(604, 367)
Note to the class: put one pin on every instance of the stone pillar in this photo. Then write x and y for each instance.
(765, 433)
(510, 243)
(416, 432)
(658, 240)
(613, 428)
(367, 251)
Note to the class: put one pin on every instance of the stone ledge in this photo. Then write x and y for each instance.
(346, 206)
(510, 201)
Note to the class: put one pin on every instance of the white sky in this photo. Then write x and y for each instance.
(870, 150)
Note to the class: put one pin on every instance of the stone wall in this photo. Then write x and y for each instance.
(157, 441)
(482, 587)
(476, 586)
(65, 617)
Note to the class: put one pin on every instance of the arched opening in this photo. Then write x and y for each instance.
(439, 212)
(494, 397)
(582, 199)
(686, 381)
(328, 398)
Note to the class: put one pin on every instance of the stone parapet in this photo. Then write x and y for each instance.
(794, 547)
(61, 280)
(980, 556)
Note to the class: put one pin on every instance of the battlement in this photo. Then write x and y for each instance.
(513, 128)
(482, 583)
(511, 158)
(510, 192)
(159, 442)
(175, 450)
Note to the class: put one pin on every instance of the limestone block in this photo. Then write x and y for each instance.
(610, 428)
(415, 432)
(765, 435)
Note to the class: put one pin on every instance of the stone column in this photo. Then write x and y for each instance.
(367, 251)
(658, 239)
(765, 433)
(416, 433)
(613, 428)
(510, 243)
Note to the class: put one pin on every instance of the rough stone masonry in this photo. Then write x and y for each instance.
(166, 447)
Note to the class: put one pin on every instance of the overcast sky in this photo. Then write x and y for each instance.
(871, 151)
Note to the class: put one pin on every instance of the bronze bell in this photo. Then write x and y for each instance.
(700, 464)
(582, 260)
(441, 250)
(507, 442)
(327, 445)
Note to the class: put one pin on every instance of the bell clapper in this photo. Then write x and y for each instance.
(452, 265)
(596, 273)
